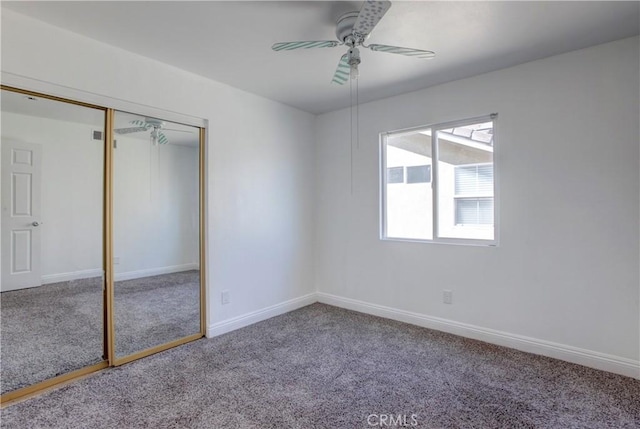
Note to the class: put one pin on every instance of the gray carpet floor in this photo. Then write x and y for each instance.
(57, 328)
(324, 367)
(49, 330)
(155, 310)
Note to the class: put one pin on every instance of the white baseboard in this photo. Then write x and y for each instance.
(130, 275)
(238, 322)
(605, 362)
(74, 275)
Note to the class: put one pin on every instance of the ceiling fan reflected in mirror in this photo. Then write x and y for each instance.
(352, 29)
(155, 125)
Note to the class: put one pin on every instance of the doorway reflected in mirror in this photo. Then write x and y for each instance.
(52, 238)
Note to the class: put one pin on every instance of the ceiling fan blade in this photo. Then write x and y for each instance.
(129, 130)
(341, 76)
(288, 46)
(369, 16)
(162, 139)
(416, 53)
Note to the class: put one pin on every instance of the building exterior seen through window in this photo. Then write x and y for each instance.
(438, 183)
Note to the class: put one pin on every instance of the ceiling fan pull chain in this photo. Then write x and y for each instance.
(150, 167)
(351, 136)
(357, 115)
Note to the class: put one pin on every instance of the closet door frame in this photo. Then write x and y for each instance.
(109, 357)
(36, 388)
(113, 359)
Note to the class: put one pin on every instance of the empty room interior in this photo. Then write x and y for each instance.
(319, 214)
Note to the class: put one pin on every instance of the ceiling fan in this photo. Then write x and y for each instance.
(155, 125)
(352, 29)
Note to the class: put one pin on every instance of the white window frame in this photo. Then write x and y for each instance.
(434, 182)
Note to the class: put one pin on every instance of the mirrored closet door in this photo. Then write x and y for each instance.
(101, 243)
(156, 233)
(51, 290)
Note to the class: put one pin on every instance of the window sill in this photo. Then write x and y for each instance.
(458, 242)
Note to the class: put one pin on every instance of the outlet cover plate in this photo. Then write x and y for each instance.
(225, 297)
(447, 296)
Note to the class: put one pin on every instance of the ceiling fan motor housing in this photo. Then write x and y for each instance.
(344, 26)
(155, 123)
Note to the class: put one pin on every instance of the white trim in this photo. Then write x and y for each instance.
(247, 319)
(592, 359)
(130, 275)
(73, 275)
(456, 241)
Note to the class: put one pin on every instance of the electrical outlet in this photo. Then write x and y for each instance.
(447, 296)
(116, 260)
(225, 297)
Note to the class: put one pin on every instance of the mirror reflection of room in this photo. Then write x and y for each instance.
(156, 232)
(52, 238)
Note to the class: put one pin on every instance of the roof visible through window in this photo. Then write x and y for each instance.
(480, 133)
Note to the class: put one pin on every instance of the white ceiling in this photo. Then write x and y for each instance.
(230, 41)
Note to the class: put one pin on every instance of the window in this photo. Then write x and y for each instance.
(419, 174)
(474, 211)
(395, 175)
(448, 191)
(474, 194)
